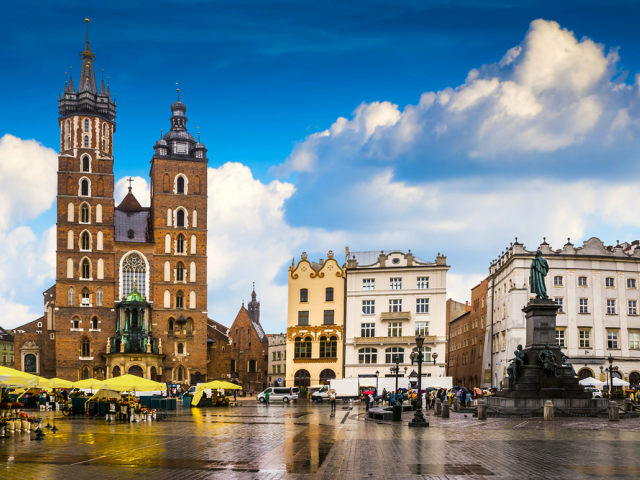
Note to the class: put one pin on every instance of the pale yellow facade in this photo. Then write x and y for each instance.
(315, 319)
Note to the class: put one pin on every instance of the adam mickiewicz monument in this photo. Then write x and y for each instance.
(540, 371)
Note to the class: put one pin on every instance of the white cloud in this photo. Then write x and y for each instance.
(548, 93)
(139, 187)
(248, 240)
(27, 179)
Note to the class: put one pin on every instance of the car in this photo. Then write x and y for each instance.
(594, 391)
(286, 394)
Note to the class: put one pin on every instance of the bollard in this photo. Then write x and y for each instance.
(397, 413)
(445, 410)
(456, 404)
(614, 413)
(482, 410)
(548, 411)
(438, 406)
(628, 406)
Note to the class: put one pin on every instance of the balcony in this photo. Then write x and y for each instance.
(407, 339)
(395, 315)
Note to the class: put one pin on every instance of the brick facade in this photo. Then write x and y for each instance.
(85, 301)
(465, 335)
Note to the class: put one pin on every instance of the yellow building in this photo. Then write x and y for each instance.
(315, 322)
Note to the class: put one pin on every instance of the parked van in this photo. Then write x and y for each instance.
(285, 394)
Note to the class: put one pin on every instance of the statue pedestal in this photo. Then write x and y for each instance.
(533, 386)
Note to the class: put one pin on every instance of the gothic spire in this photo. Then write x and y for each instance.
(254, 306)
(70, 88)
(87, 75)
(103, 91)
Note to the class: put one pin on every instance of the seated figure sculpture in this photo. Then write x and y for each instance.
(518, 360)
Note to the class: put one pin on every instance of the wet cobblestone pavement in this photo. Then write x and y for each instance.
(303, 441)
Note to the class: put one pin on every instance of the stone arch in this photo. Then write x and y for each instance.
(586, 373)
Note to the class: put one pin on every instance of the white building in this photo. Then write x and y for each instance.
(277, 364)
(596, 289)
(392, 297)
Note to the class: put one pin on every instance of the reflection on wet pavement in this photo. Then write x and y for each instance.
(305, 441)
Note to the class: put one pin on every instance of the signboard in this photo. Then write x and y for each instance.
(279, 380)
(135, 359)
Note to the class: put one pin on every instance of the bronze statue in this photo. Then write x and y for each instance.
(567, 364)
(518, 360)
(538, 272)
(548, 360)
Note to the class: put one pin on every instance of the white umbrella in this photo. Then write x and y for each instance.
(591, 382)
(618, 382)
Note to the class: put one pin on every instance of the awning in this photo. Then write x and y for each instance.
(591, 382)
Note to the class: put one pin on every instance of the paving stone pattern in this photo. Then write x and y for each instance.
(304, 442)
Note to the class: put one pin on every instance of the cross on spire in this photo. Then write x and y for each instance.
(129, 180)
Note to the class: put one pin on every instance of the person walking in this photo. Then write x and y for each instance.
(366, 402)
(266, 397)
(385, 395)
(332, 401)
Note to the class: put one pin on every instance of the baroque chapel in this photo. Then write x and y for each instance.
(131, 281)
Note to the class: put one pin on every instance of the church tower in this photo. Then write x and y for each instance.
(179, 217)
(85, 225)
(254, 307)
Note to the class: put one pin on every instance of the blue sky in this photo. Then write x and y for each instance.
(455, 162)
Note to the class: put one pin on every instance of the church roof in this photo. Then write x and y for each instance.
(130, 202)
(133, 226)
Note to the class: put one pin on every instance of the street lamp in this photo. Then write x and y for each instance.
(418, 418)
(395, 370)
(434, 356)
(610, 370)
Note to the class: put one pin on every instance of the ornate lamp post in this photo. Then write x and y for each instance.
(418, 418)
(610, 370)
(434, 356)
(395, 370)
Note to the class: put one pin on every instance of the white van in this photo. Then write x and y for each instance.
(285, 394)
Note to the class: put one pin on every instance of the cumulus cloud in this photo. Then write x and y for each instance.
(551, 92)
(248, 240)
(139, 188)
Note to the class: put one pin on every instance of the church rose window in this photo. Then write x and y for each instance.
(133, 267)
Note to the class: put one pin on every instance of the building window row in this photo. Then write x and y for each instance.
(304, 295)
(329, 317)
(395, 283)
(583, 281)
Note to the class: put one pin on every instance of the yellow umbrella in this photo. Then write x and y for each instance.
(104, 393)
(10, 377)
(89, 383)
(60, 383)
(133, 383)
(215, 385)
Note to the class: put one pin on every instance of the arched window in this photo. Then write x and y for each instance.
(86, 140)
(180, 218)
(30, 365)
(116, 371)
(94, 323)
(99, 297)
(368, 355)
(86, 241)
(392, 353)
(104, 129)
(180, 272)
(192, 272)
(180, 185)
(68, 127)
(85, 296)
(165, 183)
(133, 268)
(104, 144)
(180, 243)
(171, 324)
(179, 299)
(84, 213)
(84, 188)
(180, 349)
(327, 375)
(180, 374)
(85, 163)
(71, 298)
(330, 347)
(329, 294)
(86, 348)
(585, 373)
(85, 373)
(68, 143)
(304, 295)
(169, 215)
(189, 325)
(86, 125)
(634, 378)
(302, 378)
(302, 348)
(86, 268)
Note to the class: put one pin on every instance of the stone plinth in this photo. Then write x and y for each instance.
(533, 386)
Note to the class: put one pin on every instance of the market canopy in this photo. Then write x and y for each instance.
(10, 377)
(89, 384)
(60, 383)
(132, 383)
(591, 382)
(618, 382)
(105, 393)
(215, 385)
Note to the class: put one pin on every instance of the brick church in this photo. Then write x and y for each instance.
(131, 281)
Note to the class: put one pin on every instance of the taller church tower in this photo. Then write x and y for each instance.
(85, 225)
(179, 217)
